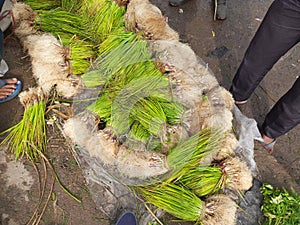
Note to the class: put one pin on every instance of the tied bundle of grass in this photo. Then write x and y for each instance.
(174, 199)
(186, 206)
(174, 112)
(134, 92)
(150, 115)
(29, 134)
(117, 40)
(131, 110)
(81, 55)
(138, 132)
(72, 30)
(124, 60)
(62, 23)
(102, 107)
(191, 151)
(104, 17)
(42, 4)
(70, 5)
(123, 86)
(202, 180)
(119, 56)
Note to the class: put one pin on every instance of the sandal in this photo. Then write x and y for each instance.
(269, 146)
(14, 94)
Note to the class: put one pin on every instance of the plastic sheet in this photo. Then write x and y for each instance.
(247, 132)
(249, 212)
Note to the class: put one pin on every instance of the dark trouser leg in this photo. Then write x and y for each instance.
(1, 34)
(1, 44)
(285, 115)
(278, 32)
(1, 3)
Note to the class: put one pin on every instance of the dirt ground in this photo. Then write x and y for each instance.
(221, 44)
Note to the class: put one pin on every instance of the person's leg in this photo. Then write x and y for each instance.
(284, 116)
(278, 32)
(1, 44)
(2, 3)
(3, 65)
(1, 33)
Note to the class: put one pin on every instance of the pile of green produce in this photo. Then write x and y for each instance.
(280, 207)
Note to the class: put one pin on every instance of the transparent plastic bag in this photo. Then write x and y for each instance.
(247, 132)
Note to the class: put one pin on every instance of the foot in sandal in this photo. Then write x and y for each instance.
(268, 143)
(9, 88)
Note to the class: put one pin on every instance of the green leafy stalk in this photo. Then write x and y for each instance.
(81, 55)
(70, 5)
(139, 132)
(62, 23)
(30, 131)
(118, 59)
(149, 114)
(191, 151)
(174, 112)
(202, 180)
(42, 4)
(174, 199)
(134, 92)
(104, 17)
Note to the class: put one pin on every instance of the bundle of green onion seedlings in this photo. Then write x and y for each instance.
(124, 104)
(149, 114)
(42, 4)
(28, 137)
(174, 111)
(202, 180)
(133, 78)
(122, 59)
(138, 132)
(62, 23)
(102, 107)
(186, 206)
(191, 151)
(70, 5)
(81, 55)
(104, 17)
(174, 199)
(131, 108)
(118, 58)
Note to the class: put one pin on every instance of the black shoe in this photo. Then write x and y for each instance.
(176, 2)
(221, 9)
